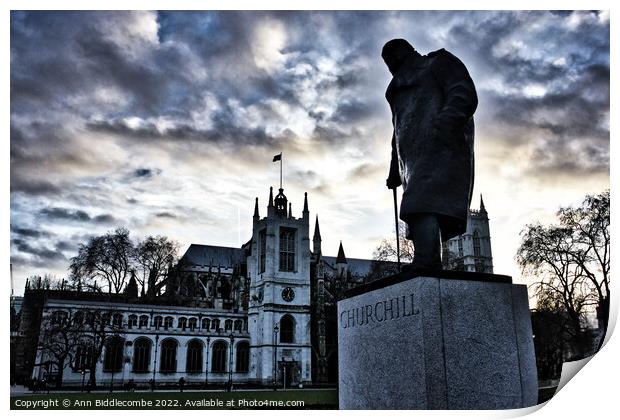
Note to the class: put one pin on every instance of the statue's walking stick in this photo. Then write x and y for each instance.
(397, 233)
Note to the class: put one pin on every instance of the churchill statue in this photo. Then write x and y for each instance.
(433, 100)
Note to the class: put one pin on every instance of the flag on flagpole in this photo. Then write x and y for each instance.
(277, 157)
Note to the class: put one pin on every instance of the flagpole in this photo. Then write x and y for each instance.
(280, 170)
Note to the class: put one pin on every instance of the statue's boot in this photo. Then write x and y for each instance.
(425, 233)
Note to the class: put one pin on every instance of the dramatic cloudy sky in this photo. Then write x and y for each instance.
(166, 123)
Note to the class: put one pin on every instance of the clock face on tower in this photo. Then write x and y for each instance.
(288, 294)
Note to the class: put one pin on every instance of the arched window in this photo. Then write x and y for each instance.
(460, 244)
(113, 360)
(132, 321)
(141, 355)
(194, 356)
(476, 243)
(206, 323)
(144, 321)
(228, 324)
(218, 356)
(182, 323)
(168, 322)
(287, 329)
(83, 356)
(192, 324)
(168, 361)
(215, 324)
(158, 322)
(238, 325)
(243, 357)
(117, 320)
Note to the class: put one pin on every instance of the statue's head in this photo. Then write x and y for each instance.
(395, 52)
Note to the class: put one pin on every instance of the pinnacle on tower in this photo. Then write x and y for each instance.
(290, 211)
(317, 231)
(341, 258)
(305, 203)
(131, 290)
(316, 239)
(256, 216)
(482, 208)
(270, 203)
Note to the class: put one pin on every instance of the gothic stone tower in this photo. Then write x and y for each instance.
(471, 251)
(279, 307)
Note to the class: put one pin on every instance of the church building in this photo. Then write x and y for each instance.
(260, 315)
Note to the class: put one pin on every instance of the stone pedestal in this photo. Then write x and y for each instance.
(433, 342)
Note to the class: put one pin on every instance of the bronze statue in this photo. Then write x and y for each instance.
(433, 99)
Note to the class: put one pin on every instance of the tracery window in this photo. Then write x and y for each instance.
(194, 356)
(141, 355)
(218, 358)
(168, 360)
(287, 249)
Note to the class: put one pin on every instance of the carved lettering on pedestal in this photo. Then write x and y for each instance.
(381, 311)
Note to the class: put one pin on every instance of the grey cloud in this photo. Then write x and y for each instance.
(166, 215)
(59, 213)
(28, 232)
(146, 172)
(39, 256)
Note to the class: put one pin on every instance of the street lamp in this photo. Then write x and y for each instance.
(83, 371)
(276, 329)
(155, 361)
(232, 342)
(207, 363)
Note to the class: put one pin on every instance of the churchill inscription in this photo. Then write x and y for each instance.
(381, 311)
(456, 344)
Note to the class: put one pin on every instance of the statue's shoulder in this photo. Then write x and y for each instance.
(443, 60)
(441, 54)
(438, 52)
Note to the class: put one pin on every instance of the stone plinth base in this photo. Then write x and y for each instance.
(437, 343)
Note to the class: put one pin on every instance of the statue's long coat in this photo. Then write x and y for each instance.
(433, 100)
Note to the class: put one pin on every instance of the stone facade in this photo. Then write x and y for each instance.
(274, 299)
(471, 251)
(279, 306)
(159, 327)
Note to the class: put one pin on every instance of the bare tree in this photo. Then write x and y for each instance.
(386, 250)
(57, 342)
(589, 224)
(550, 326)
(63, 332)
(546, 253)
(97, 327)
(384, 256)
(571, 261)
(106, 259)
(154, 256)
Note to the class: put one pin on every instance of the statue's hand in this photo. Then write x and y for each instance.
(393, 181)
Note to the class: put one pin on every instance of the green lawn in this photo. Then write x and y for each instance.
(277, 400)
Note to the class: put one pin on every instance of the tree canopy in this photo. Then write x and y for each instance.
(570, 261)
(107, 262)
